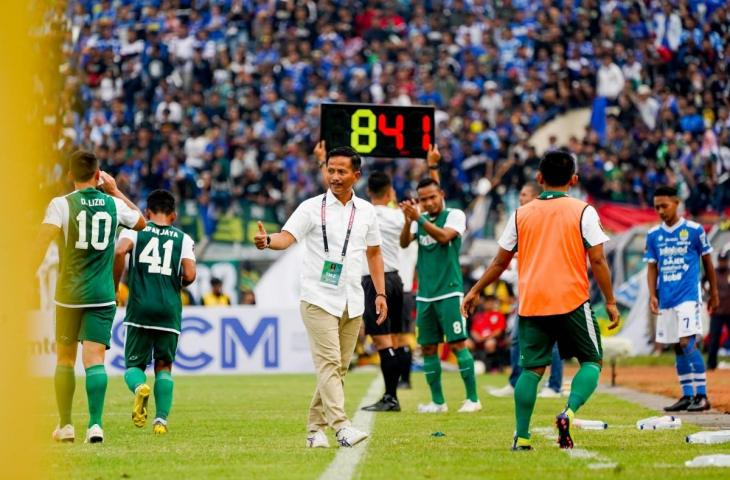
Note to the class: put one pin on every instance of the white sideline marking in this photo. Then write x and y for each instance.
(599, 461)
(345, 462)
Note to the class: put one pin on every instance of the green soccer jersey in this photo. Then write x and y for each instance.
(439, 272)
(88, 220)
(154, 277)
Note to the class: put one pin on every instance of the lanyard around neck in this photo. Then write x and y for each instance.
(324, 226)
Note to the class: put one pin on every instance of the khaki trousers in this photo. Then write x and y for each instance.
(332, 341)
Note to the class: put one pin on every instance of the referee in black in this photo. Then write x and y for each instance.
(385, 336)
(395, 355)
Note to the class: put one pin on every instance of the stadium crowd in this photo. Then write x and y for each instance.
(219, 100)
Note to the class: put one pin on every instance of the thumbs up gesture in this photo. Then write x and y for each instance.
(261, 239)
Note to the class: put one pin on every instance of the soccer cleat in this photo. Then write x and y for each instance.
(432, 408)
(349, 437)
(65, 434)
(317, 439)
(563, 422)
(139, 411)
(548, 392)
(94, 434)
(159, 427)
(504, 392)
(699, 404)
(470, 407)
(386, 404)
(680, 405)
(521, 444)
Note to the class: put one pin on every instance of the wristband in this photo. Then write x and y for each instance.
(381, 295)
(421, 221)
(433, 167)
(268, 241)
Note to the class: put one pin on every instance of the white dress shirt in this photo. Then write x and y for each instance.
(305, 224)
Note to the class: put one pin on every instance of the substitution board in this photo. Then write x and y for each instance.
(378, 130)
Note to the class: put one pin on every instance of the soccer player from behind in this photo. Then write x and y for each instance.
(440, 290)
(162, 263)
(553, 234)
(674, 251)
(84, 223)
(529, 192)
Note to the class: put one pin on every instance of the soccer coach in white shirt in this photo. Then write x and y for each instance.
(340, 231)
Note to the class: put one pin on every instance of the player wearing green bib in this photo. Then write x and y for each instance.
(84, 223)
(440, 290)
(162, 262)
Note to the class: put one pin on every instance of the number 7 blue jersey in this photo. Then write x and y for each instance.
(677, 251)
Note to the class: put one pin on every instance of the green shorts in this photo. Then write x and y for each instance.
(93, 324)
(576, 333)
(142, 343)
(439, 319)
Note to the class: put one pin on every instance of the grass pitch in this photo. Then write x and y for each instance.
(254, 427)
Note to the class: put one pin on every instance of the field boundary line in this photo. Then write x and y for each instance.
(345, 463)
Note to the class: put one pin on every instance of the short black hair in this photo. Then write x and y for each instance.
(534, 186)
(161, 201)
(665, 191)
(348, 152)
(427, 182)
(83, 165)
(378, 183)
(216, 281)
(557, 167)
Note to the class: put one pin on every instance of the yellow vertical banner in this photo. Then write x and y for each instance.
(29, 66)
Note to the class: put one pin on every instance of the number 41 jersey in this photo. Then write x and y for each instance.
(88, 219)
(154, 274)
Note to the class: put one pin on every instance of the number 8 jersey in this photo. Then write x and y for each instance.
(88, 219)
(154, 278)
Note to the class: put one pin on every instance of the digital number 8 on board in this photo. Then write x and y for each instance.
(360, 132)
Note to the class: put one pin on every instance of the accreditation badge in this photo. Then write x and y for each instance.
(331, 273)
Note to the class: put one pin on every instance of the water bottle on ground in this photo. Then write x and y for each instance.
(590, 424)
(716, 460)
(709, 437)
(666, 422)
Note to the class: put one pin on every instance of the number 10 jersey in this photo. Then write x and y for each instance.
(154, 277)
(88, 220)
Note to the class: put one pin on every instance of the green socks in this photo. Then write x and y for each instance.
(432, 370)
(65, 383)
(583, 385)
(466, 368)
(163, 393)
(134, 377)
(96, 381)
(525, 396)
